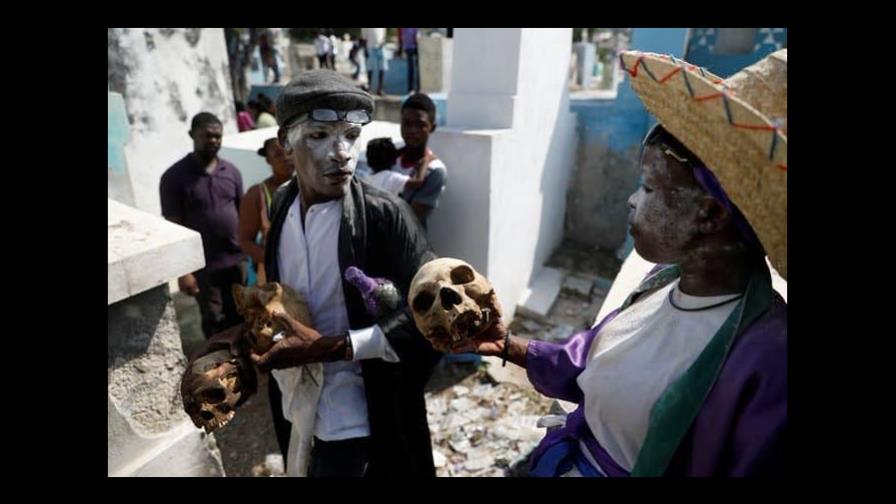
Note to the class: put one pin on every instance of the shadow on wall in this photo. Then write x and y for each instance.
(597, 202)
(606, 169)
(610, 133)
(138, 317)
(460, 225)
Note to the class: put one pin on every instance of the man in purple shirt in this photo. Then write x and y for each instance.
(202, 192)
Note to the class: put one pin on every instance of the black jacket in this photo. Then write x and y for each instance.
(380, 234)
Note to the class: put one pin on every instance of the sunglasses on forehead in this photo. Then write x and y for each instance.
(330, 115)
(669, 152)
(666, 148)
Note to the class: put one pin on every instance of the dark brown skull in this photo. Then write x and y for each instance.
(213, 387)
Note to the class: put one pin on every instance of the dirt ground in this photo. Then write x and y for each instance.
(500, 449)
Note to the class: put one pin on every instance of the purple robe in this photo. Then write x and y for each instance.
(739, 430)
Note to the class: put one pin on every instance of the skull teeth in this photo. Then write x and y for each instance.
(217, 423)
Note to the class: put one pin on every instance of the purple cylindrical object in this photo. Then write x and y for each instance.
(379, 294)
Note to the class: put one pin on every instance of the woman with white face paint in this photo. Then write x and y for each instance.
(352, 385)
(689, 376)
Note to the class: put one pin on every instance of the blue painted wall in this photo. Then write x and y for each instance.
(256, 70)
(610, 133)
(624, 121)
(118, 132)
(272, 91)
(119, 182)
(395, 80)
(702, 50)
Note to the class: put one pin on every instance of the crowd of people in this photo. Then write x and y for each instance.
(687, 377)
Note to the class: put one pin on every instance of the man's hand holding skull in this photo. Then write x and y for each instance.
(218, 379)
(235, 339)
(301, 345)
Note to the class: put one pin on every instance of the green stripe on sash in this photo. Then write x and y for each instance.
(674, 412)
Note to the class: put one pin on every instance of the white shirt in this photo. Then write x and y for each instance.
(375, 36)
(635, 357)
(397, 167)
(334, 44)
(389, 181)
(322, 45)
(309, 263)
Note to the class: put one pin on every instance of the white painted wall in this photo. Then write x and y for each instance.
(241, 149)
(435, 63)
(504, 205)
(484, 77)
(532, 166)
(169, 75)
(460, 226)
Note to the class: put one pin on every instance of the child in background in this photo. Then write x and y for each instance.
(381, 157)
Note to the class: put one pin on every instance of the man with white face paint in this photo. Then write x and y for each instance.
(361, 412)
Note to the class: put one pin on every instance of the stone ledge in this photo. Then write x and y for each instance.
(182, 451)
(538, 298)
(146, 251)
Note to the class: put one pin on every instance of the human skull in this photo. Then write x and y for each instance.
(212, 387)
(258, 304)
(217, 383)
(451, 302)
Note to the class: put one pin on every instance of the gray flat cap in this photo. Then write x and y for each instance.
(320, 89)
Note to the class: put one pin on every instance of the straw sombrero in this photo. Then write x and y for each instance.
(737, 126)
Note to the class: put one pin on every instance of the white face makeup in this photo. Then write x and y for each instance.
(663, 210)
(325, 155)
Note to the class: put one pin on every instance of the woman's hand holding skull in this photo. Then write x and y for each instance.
(491, 342)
